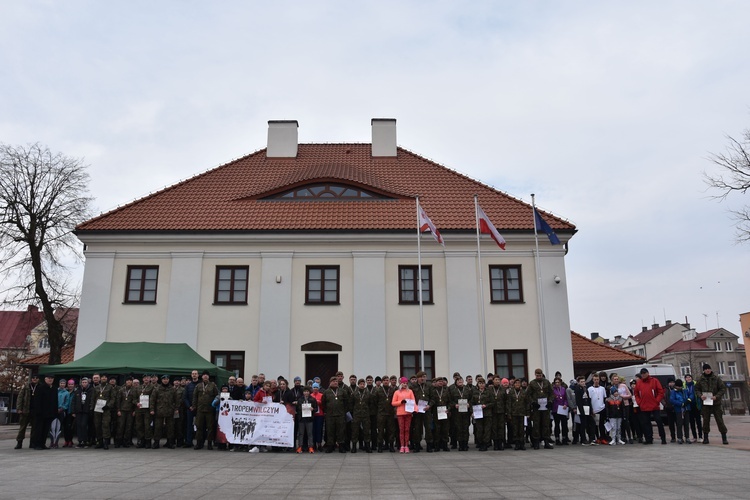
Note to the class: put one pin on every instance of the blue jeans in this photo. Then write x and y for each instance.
(190, 428)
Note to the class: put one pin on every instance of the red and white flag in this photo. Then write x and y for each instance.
(486, 227)
(425, 223)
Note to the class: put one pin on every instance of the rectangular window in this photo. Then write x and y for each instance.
(511, 363)
(408, 287)
(231, 285)
(722, 368)
(684, 368)
(141, 284)
(410, 361)
(234, 361)
(322, 285)
(505, 284)
(717, 346)
(732, 367)
(728, 346)
(736, 395)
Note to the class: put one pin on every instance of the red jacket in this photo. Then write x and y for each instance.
(648, 393)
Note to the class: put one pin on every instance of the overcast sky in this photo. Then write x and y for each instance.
(607, 111)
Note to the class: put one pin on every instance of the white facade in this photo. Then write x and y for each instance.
(369, 324)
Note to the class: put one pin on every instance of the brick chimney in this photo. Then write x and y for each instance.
(383, 137)
(282, 139)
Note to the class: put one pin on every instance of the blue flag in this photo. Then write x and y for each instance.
(541, 225)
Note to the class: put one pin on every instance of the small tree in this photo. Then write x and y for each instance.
(43, 196)
(734, 176)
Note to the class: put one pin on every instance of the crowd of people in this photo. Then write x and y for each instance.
(387, 413)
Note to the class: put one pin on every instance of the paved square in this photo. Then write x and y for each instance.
(605, 472)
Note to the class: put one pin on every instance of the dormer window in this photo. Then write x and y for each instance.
(327, 191)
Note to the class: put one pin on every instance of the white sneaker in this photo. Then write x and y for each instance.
(620, 441)
(612, 443)
(254, 449)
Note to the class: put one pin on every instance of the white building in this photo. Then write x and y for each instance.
(300, 259)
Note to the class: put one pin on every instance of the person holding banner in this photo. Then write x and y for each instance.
(403, 401)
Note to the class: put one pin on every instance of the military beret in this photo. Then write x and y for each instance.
(165, 376)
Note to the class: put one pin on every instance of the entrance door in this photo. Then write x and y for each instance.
(324, 366)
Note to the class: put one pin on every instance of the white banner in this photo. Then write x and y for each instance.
(245, 422)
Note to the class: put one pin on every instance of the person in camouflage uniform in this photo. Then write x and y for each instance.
(179, 421)
(517, 408)
(361, 402)
(336, 403)
(203, 397)
(105, 398)
(460, 402)
(386, 414)
(422, 422)
(483, 426)
(143, 430)
(540, 389)
(500, 395)
(165, 404)
(440, 398)
(23, 407)
(710, 382)
(127, 399)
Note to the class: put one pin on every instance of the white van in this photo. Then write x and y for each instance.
(661, 371)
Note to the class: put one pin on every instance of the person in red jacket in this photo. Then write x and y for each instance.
(648, 394)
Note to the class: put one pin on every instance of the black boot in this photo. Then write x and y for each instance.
(391, 448)
(535, 444)
(99, 444)
(19, 444)
(367, 448)
(210, 446)
(523, 446)
(724, 439)
(155, 446)
(117, 443)
(517, 446)
(106, 443)
(502, 445)
(198, 446)
(354, 448)
(139, 444)
(380, 448)
(705, 438)
(429, 447)
(547, 445)
(445, 446)
(454, 445)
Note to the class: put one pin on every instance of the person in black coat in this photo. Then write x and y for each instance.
(45, 411)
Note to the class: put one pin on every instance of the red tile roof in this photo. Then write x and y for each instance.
(696, 344)
(15, 326)
(43, 359)
(587, 351)
(648, 335)
(228, 198)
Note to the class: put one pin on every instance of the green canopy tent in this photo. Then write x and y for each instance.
(122, 358)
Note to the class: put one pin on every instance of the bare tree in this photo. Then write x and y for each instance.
(43, 196)
(734, 176)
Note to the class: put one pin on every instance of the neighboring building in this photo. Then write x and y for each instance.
(720, 349)
(651, 341)
(33, 363)
(590, 355)
(300, 259)
(16, 326)
(38, 341)
(745, 327)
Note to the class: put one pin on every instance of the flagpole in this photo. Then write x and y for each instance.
(482, 328)
(419, 288)
(540, 294)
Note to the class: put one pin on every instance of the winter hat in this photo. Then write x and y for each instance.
(224, 387)
(297, 378)
(612, 389)
(643, 370)
(71, 381)
(504, 381)
(706, 366)
(316, 385)
(404, 380)
(678, 383)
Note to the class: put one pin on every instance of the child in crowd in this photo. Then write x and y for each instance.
(614, 413)
(307, 406)
(678, 398)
